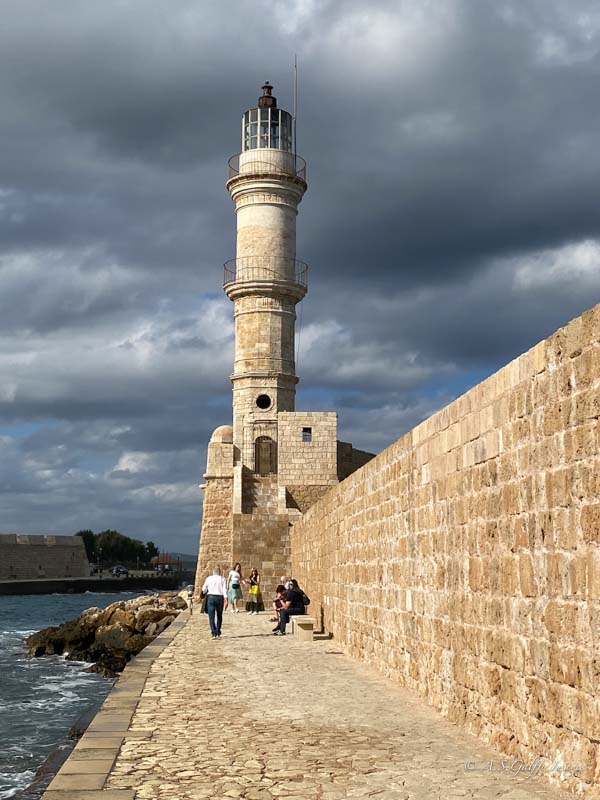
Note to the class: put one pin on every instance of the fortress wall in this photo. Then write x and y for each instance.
(29, 557)
(217, 529)
(349, 459)
(464, 560)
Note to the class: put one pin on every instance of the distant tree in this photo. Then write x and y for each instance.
(89, 542)
(120, 549)
(151, 552)
(116, 548)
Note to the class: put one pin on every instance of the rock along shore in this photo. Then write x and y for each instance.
(109, 637)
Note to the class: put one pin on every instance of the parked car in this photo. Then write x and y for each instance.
(119, 571)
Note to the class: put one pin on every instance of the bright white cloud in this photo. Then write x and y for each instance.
(551, 268)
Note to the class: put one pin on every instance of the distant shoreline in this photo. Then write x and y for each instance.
(81, 585)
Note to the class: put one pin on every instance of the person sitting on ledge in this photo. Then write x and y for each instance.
(285, 581)
(292, 606)
(280, 593)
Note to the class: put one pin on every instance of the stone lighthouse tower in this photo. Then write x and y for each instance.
(265, 281)
(273, 462)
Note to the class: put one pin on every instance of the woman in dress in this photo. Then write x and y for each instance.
(254, 604)
(234, 587)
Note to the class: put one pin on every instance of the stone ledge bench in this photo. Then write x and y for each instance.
(303, 627)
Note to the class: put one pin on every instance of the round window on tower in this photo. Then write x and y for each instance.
(263, 401)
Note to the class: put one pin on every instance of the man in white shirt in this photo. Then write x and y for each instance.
(215, 589)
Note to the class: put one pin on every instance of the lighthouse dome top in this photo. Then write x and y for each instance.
(222, 434)
(267, 100)
(267, 126)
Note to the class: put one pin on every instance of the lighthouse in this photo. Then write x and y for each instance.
(273, 462)
(265, 280)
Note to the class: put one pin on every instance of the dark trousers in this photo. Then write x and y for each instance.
(214, 609)
(285, 614)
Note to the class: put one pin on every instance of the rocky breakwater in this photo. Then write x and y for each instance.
(109, 637)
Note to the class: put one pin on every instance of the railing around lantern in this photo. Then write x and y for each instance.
(281, 163)
(265, 268)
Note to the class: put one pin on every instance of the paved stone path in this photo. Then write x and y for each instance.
(258, 717)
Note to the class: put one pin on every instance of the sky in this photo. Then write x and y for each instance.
(451, 222)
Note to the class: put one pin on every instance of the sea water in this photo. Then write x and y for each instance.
(40, 698)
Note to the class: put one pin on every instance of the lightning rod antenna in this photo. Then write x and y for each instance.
(295, 105)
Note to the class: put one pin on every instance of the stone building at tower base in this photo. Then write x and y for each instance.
(247, 516)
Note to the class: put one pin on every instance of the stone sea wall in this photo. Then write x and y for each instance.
(464, 560)
(30, 557)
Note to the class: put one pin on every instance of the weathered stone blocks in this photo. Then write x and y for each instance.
(464, 560)
(26, 557)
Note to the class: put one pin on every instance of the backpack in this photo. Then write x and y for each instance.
(305, 599)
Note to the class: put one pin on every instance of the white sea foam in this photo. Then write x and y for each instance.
(40, 698)
(19, 780)
(13, 638)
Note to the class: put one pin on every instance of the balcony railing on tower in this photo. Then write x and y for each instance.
(266, 162)
(265, 268)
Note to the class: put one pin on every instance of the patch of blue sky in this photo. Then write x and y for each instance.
(456, 384)
(96, 463)
(220, 401)
(315, 398)
(443, 387)
(21, 430)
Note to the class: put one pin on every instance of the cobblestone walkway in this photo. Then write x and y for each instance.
(256, 716)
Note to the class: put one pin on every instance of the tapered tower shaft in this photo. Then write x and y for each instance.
(265, 280)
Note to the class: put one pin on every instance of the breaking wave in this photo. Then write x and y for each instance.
(40, 698)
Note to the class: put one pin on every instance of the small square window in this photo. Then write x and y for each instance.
(307, 434)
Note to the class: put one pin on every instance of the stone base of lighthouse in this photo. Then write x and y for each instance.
(247, 516)
(257, 538)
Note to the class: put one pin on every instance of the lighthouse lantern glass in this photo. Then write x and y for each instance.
(267, 128)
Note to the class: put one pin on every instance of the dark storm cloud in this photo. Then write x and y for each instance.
(451, 222)
(499, 312)
(491, 150)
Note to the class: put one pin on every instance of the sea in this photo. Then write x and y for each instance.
(41, 698)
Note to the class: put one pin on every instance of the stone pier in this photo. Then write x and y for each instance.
(260, 717)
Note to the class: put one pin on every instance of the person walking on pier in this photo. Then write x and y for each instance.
(215, 590)
(234, 586)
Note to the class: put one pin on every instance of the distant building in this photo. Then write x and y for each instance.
(25, 557)
(174, 562)
(273, 463)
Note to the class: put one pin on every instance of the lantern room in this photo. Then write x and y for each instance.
(267, 126)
